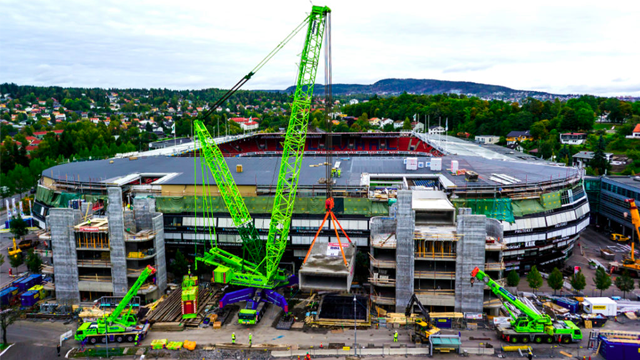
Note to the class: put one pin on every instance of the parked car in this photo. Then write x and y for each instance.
(618, 237)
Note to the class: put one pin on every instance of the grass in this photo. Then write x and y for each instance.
(4, 346)
(606, 126)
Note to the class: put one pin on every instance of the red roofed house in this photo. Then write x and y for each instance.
(246, 124)
(636, 132)
(40, 134)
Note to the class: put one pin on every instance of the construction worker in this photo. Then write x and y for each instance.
(58, 348)
(395, 336)
(250, 339)
(137, 339)
(339, 172)
(308, 357)
(233, 338)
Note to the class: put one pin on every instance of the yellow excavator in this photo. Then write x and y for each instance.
(16, 250)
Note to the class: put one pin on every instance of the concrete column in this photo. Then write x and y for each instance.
(405, 263)
(116, 241)
(65, 260)
(143, 207)
(158, 243)
(470, 253)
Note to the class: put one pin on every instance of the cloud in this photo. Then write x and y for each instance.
(559, 47)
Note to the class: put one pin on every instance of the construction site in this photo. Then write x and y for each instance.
(303, 235)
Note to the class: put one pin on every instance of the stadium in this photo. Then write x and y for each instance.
(423, 211)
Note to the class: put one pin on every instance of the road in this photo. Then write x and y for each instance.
(36, 340)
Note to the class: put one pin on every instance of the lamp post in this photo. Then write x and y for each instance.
(355, 328)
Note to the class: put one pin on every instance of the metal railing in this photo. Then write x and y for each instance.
(384, 264)
(382, 282)
(434, 255)
(97, 278)
(445, 292)
(383, 300)
(89, 263)
(494, 266)
(435, 274)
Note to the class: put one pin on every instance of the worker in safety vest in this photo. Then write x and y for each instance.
(395, 336)
(339, 173)
(233, 338)
(137, 339)
(250, 339)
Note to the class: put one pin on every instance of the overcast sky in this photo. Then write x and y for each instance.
(555, 46)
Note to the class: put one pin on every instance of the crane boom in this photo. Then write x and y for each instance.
(294, 141)
(253, 247)
(506, 295)
(149, 270)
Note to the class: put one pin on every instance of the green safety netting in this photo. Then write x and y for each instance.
(62, 199)
(264, 205)
(95, 198)
(44, 195)
(526, 207)
(551, 200)
(499, 209)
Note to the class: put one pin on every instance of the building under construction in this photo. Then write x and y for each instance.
(424, 211)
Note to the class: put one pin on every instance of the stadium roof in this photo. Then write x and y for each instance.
(263, 170)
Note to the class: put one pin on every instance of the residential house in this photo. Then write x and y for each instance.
(635, 134)
(374, 121)
(487, 139)
(437, 130)
(582, 158)
(385, 122)
(417, 126)
(518, 136)
(573, 138)
(41, 134)
(353, 101)
(398, 124)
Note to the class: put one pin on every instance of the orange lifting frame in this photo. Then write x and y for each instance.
(329, 206)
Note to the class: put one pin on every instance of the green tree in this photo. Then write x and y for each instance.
(599, 161)
(534, 279)
(513, 279)
(406, 125)
(18, 227)
(180, 266)
(15, 261)
(34, 262)
(625, 283)
(602, 280)
(555, 280)
(578, 281)
(7, 317)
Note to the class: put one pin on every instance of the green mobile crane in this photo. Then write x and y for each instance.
(118, 327)
(258, 268)
(529, 326)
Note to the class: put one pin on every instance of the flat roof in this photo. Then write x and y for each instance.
(262, 171)
(626, 180)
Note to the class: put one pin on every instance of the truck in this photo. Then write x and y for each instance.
(529, 325)
(600, 305)
(120, 325)
(422, 329)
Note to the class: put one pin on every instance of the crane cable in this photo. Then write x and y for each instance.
(257, 68)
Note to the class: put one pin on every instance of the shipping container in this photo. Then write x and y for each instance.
(619, 350)
(7, 295)
(442, 323)
(600, 305)
(40, 289)
(570, 304)
(29, 298)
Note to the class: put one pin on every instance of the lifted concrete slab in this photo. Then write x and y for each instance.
(325, 269)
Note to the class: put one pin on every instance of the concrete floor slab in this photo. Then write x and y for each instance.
(325, 268)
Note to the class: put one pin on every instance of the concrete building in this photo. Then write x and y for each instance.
(523, 211)
(103, 255)
(436, 130)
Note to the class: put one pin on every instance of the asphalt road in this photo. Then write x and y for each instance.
(36, 340)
